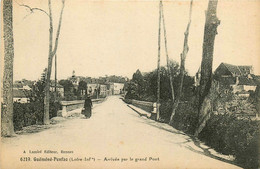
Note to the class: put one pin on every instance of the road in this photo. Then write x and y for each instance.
(114, 133)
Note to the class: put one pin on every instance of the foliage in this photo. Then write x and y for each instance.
(26, 114)
(165, 111)
(144, 87)
(138, 80)
(185, 118)
(81, 90)
(229, 129)
(132, 88)
(236, 136)
(115, 79)
(69, 92)
(256, 99)
(103, 80)
(31, 113)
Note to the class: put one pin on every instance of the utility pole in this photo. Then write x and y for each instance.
(158, 65)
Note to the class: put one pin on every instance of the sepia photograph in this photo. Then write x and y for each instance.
(130, 84)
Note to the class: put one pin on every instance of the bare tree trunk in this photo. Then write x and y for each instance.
(257, 100)
(167, 56)
(7, 127)
(158, 66)
(52, 52)
(203, 95)
(182, 67)
(55, 79)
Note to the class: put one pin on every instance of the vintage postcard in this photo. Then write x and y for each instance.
(138, 84)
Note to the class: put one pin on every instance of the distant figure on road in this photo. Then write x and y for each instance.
(87, 107)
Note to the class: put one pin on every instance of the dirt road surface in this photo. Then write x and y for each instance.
(114, 137)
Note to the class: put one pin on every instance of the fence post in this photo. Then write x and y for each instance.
(64, 111)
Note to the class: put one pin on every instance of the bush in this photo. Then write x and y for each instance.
(185, 118)
(232, 136)
(54, 108)
(165, 111)
(69, 96)
(26, 114)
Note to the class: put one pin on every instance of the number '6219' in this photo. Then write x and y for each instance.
(25, 159)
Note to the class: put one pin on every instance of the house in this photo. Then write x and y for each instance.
(22, 91)
(239, 78)
(118, 88)
(20, 95)
(75, 80)
(23, 84)
(103, 90)
(92, 88)
(228, 70)
(59, 88)
(111, 88)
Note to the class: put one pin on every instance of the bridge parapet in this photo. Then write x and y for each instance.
(68, 106)
(147, 106)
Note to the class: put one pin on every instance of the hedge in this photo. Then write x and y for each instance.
(26, 114)
(226, 133)
(234, 136)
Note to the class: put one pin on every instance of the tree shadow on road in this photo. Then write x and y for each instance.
(191, 142)
(206, 151)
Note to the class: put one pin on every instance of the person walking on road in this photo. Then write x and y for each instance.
(87, 107)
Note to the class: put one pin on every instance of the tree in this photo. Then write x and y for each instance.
(257, 100)
(139, 81)
(203, 93)
(7, 127)
(158, 64)
(182, 68)
(53, 46)
(131, 90)
(175, 99)
(36, 96)
(52, 52)
(148, 83)
(68, 89)
(82, 88)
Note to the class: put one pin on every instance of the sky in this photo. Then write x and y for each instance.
(101, 37)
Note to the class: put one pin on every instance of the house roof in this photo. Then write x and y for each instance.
(241, 81)
(227, 80)
(57, 85)
(20, 93)
(238, 70)
(17, 85)
(256, 79)
(246, 81)
(245, 69)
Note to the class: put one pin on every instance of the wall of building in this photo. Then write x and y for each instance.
(247, 88)
(237, 88)
(20, 100)
(118, 88)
